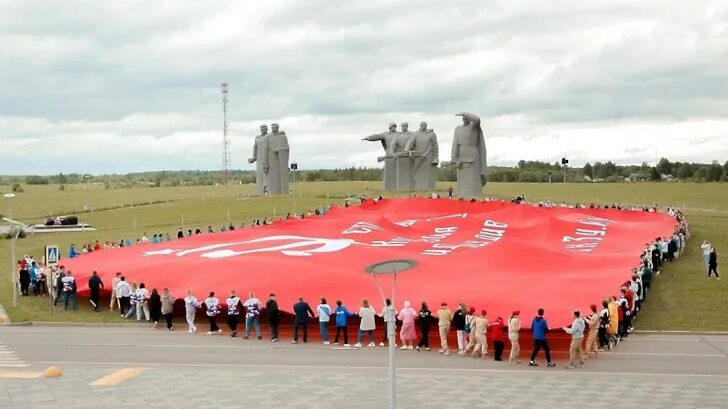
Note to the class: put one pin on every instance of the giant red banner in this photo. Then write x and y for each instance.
(495, 255)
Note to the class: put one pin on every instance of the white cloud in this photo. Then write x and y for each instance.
(131, 86)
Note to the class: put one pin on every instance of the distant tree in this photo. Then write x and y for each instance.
(36, 180)
(521, 164)
(664, 166)
(62, 179)
(588, 171)
(17, 188)
(725, 168)
(715, 172)
(655, 175)
(684, 171)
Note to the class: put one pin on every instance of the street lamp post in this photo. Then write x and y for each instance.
(294, 168)
(386, 268)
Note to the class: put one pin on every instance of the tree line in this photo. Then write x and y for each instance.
(524, 171)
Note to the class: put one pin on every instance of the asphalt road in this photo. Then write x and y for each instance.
(685, 370)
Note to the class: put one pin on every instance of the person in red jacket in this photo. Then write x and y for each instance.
(630, 296)
(496, 334)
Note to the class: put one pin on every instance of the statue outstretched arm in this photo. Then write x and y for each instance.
(377, 137)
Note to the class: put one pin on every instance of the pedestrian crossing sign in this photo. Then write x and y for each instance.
(51, 255)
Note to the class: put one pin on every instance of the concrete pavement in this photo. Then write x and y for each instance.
(176, 369)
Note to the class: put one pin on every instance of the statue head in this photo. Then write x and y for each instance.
(263, 129)
(404, 126)
(423, 126)
(274, 128)
(466, 121)
(392, 127)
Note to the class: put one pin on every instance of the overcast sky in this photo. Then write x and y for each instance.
(103, 86)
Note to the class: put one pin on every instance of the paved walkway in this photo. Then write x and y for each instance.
(178, 370)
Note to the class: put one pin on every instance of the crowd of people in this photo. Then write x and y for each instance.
(605, 324)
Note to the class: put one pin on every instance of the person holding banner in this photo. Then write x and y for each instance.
(213, 308)
(114, 300)
(233, 315)
(167, 308)
(95, 285)
(191, 306)
(69, 291)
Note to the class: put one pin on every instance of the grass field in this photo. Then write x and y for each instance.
(682, 299)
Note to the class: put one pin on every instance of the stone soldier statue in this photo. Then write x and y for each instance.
(402, 161)
(389, 177)
(260, 157)
(469, 156)
(281, 150)
(422, 148)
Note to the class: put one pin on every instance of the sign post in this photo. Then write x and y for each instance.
(51, 255)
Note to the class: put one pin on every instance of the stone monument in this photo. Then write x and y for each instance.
(260, 157)
(402, 160)
(469, 156)
(422, 148)
(386, 138)
(279, 147)
(270, 153)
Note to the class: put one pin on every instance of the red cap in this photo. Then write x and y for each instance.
(442, 304)
(593, 307)
(483, 312)
(516, 312)
(471, 310)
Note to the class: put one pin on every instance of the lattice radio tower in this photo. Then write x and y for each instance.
(226, 162)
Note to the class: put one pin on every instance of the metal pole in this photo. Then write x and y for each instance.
(564, 173)
(15, 273)
(392, 341)
(294, 191)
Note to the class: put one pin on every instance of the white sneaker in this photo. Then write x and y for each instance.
(410, 347)
(372, 345)
(194, 329)
(219, 332)
(336, 343)
(381, 344)
(209, 332)
(327, 342)
(404, 347)
(357, 345)
(189, 330)
(348, 345)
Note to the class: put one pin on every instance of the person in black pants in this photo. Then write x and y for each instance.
(59, 285)
(24, 277)
(273, 315)
(95, 285)
(425, 316)
(713, 264)
(540, 328)
(302, 311)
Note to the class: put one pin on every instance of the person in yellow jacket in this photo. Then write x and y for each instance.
(478, 341)
(514, 327)
(613, 321)
(592, 345)
(445, 319)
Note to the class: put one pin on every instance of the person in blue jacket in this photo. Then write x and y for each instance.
(342, 315)
(540, 327)
(72, 251)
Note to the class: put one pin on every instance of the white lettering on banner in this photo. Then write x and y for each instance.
(491, 232)
(411, 222)
(362, 228)
(587, 240)
(406, 223)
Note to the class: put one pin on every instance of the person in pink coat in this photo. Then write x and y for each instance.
(408, 333)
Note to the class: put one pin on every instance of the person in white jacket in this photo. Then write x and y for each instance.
(514, 327)
(383, 314)
(367, 324)
(191, 306)
(142, 297)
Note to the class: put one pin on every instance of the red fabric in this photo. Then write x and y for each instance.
(496, 256)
